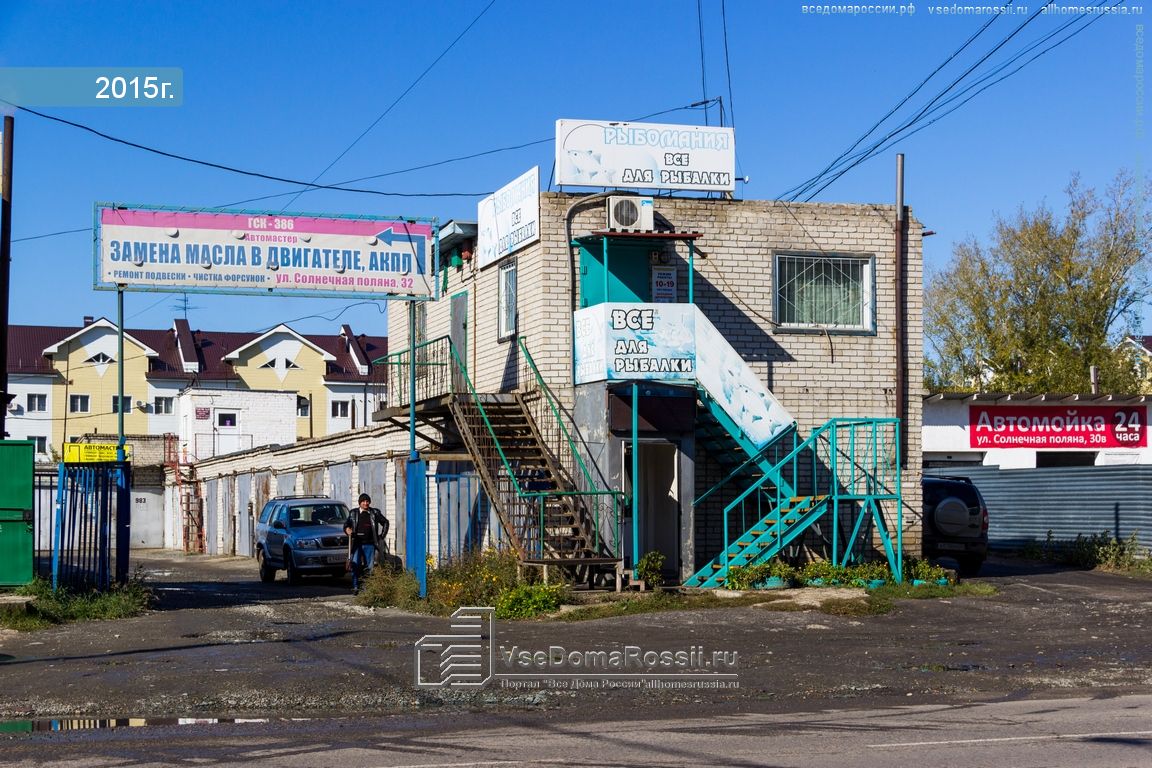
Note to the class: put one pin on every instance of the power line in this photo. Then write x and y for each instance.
(51, 234)
(900, 134)
(703, 69)
(803, 188)
(727, 64)
(473, 156)
(800, 188)
(232, 169)
(397, 100)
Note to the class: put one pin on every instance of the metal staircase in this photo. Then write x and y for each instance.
(850, 470)
(523, 447)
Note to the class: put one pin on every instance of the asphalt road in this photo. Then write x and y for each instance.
(1086, 733)
(1057, 667)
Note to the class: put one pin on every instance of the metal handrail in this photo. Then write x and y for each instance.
(484, 415)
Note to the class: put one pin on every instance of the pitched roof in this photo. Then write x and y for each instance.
(187, 355)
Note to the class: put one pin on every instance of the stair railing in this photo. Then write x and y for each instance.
(433, 372)
(850, 462)
(553, 422)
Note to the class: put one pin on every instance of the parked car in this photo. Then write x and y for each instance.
(301, 535)
(955, 522)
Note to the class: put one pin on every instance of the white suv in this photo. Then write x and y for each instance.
(302, 535)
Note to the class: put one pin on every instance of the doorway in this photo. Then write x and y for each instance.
(658, 489)
(458, 332)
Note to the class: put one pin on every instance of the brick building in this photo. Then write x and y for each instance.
(804, 294)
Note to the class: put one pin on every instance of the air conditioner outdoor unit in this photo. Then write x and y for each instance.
(631, 213)
(13, 407)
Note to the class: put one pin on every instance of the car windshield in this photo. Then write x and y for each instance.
(318, 514)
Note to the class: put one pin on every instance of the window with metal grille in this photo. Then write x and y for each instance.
(506, 321)
(824, 291)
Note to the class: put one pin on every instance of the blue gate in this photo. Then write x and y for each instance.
(93, 513)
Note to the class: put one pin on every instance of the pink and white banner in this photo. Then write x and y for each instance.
(263, 253)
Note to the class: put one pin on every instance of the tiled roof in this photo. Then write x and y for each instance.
(26, 345)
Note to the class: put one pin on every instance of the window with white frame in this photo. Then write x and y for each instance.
(506, 301)
(37, 403)
(162, 405)
(78, 404)
(101, 358)
(303, 407)
(339, 409)
(125, 402)
(41, 443)
(827, 291)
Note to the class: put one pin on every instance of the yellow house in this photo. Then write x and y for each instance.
(65, 380)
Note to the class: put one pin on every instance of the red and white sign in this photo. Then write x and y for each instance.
(1049, 426)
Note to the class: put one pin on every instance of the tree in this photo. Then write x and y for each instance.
(1047, 299)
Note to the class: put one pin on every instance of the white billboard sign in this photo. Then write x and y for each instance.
(270, 254)
(509, 219)
(591, 153)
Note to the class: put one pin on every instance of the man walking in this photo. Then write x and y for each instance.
(366, 527)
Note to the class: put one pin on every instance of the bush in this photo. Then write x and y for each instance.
(386, 587)
(650, 569)
(923, 570)
(476, 578)
(526, 601)
(754, 576)
(825, 572)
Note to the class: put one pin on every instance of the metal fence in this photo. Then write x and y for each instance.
(460, 517)
(1025, 504)
(89, 546)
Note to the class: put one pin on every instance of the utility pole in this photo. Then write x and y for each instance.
(5, 266)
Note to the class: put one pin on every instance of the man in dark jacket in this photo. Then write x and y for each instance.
(366, 528)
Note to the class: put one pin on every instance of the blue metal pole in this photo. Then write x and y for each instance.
(604, 250)
(691, 270)
(635, 478)
(58, 527)
(415, 480)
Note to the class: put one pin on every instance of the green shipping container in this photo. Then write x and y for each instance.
(17, 463)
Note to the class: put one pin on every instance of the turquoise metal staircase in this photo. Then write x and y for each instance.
(851, 472)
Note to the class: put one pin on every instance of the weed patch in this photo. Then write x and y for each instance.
(1098, 550)
(61, 606)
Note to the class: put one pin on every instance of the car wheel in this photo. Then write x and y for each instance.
(267, 572)
(290, 568)
(970, 566)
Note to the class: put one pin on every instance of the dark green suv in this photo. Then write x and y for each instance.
(955, 522)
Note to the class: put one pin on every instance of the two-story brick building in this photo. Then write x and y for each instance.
(671, 389)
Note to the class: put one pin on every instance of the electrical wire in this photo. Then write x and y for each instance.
(879, 147)
(799, 189)
(398, 99)
(703, 69)
(232, 169)
(819, 177)
(51, 234)
(727, 67)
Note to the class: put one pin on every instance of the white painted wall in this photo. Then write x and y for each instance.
(159, 423)
(263, 418)
(22, 425)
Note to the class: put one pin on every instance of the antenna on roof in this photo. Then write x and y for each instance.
(182, 304)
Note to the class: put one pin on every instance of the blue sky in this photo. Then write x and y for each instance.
(283, 88)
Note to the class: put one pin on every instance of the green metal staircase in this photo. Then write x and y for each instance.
(525, 452)
(850, 470)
